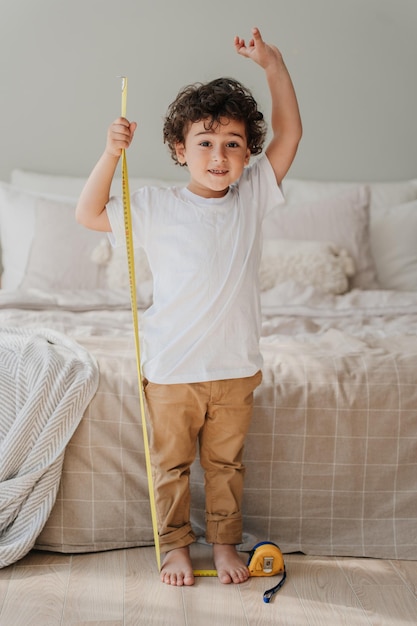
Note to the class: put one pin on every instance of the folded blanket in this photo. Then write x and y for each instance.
(46, 383)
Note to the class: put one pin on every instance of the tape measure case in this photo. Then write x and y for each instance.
(265, 559)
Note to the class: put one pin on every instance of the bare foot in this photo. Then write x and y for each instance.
(229, 565)
(177, 568)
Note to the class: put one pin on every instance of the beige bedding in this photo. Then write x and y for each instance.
(332, 453)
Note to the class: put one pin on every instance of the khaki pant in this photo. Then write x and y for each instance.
(217, 414)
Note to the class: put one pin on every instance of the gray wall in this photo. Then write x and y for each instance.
(353, 63)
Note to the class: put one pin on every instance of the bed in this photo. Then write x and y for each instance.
(332, 453)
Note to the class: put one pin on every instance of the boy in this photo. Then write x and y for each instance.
(200, 338)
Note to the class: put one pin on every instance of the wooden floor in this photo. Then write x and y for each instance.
(122, 588)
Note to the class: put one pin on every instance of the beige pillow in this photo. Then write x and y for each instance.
(394, 244)
(43, 246)
(60, 253)
(319, 264)
(342, 219)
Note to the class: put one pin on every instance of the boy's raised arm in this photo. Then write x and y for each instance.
(91, 207)
(285, 117)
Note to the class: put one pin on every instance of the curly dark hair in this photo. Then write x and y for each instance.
(219, 98)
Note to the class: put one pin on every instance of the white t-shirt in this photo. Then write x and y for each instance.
(204, 253)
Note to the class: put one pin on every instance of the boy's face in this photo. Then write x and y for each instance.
(215, 157)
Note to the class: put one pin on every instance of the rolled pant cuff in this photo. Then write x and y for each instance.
(226, 531)
(178, 538)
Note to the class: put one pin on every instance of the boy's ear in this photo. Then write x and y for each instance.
(180, 152)
(247, 157)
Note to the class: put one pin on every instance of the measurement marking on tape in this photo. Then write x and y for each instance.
(205, 572)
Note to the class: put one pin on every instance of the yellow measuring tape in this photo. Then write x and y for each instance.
(133, 298)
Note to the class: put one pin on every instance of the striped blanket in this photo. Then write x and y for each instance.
(46, 382)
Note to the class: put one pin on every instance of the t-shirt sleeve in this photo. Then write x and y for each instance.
(143, 203)
(139, 201)
(114, 209)
(263, 185)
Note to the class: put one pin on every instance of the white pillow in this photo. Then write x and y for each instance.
(394, 243)
(342, 219)
(72, 185)
(320, 264)
(43, 246)
(382, 195)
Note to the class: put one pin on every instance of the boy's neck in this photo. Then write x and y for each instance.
(205, 192)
